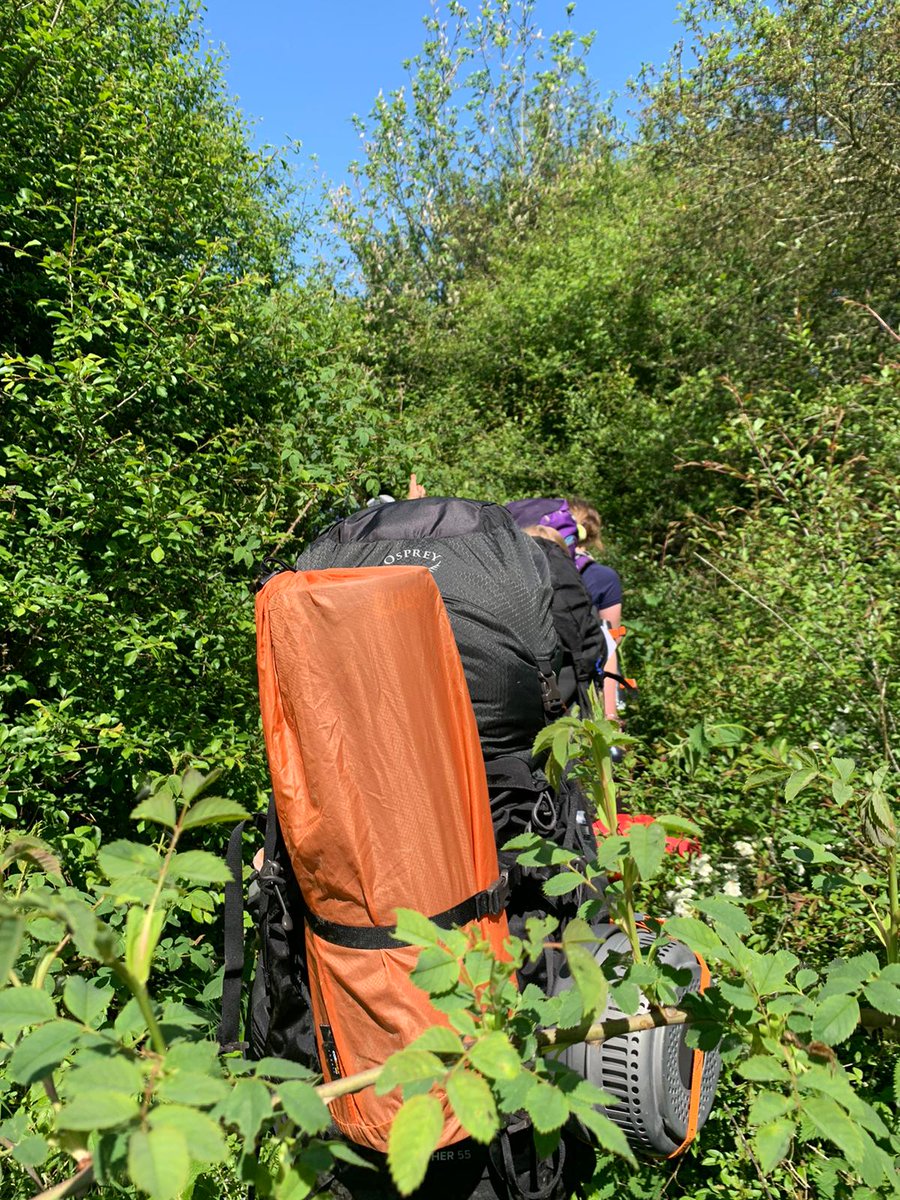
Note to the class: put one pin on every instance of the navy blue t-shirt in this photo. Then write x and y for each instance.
(603, 585)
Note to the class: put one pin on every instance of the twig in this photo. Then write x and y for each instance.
(299, 517)
(872, 313)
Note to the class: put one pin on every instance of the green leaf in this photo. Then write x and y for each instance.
(205, 1139)
(771, 971)
(199, 866)
(415, 1132)
(772, 1142)
(415, 929)
(835, 1019)
(159, 809)
(473, 1104)
(725, 911)
(589, 979)
(760, 1068)
(798, 781)
(695, 935)
(833, 1124)
(86, 1000)
(302, 1104)
(247, 1107)
(897, 1084)
(98, 1072)
(193, 782)
(21, 1006)
(673, 824)
(806, 978)
(436, 970)
(562, 883)
(547, 1106)
(195, 1088)
(213, 809)
(157, 554)
(608, 1135)
(647, 846)
(883, 996)
(737, 994)
(31, 1151)
(409, 1066)
(493, 1055)
(98, 1109)
(768, 1107)
(11, 931)
(128, 858)
(282, 1068)
(158, 1162)
(43, 1050)
(439, 1039)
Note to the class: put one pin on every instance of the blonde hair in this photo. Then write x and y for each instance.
(548, 534)
(589, 519)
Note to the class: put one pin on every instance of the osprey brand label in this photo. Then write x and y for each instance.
(414, 558)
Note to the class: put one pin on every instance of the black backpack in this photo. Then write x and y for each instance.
(497, 591)
(579, 630)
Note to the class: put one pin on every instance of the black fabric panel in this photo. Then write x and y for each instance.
(432, 517)
(580, 633)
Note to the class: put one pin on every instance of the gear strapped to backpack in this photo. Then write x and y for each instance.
(382, 803)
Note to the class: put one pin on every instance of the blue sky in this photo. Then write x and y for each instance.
(302, 68)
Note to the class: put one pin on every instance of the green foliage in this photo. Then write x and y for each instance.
(174, 406)
(694, 328)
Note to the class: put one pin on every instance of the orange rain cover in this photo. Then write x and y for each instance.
(381, 795)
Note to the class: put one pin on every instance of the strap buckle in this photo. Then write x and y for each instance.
(550, 694)
(493, 900)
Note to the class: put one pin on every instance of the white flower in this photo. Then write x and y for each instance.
(745, 850)
(732, 888)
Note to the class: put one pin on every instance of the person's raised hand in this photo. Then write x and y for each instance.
(416, 490)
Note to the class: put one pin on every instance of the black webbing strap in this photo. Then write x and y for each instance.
(488, 903)
(628, 684)
(229, 1025)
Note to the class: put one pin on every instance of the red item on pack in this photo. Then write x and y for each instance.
(684, 847)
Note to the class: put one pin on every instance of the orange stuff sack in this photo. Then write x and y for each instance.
(381, 796)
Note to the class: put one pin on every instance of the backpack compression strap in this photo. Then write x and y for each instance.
(232, 978)
(488, 903)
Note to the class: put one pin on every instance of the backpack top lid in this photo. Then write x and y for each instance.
(552, 512)
(495, 585)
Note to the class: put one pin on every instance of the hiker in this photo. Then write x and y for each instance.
(602, 583)
(603, 586)
(555, 513)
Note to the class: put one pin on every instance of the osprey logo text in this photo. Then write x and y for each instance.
(414, 558)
